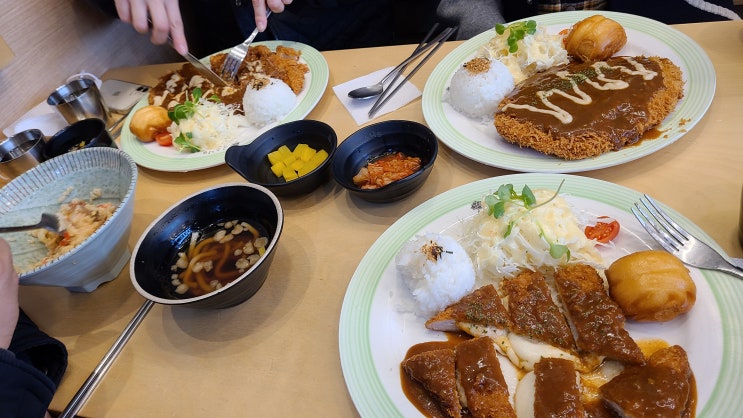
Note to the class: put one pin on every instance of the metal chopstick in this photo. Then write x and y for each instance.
(82, 395)
(385, 97)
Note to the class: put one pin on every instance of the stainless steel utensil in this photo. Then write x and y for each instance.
(204, 70)
(87, 388)
(237, 54)
(677, 241)
(387, 95)
(200, 66)
(48, 221)
(374, 90)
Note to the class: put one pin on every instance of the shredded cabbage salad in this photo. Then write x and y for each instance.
(498, 254)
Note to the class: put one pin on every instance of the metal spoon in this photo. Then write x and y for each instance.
(375, 90)
(48, 221)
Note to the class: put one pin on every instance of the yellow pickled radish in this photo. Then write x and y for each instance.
(292, 164)
(278, 168)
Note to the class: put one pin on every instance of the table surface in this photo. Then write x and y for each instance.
(277, 353)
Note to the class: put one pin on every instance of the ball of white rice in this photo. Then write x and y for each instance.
(267, 100)
(436, 270)
(478, 87)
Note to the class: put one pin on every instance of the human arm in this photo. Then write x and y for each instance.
(8, 296)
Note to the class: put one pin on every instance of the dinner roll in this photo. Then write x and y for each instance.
(651, 286)
(595, 38)
(149, 121)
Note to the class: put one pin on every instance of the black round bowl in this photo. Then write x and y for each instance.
(84, 133)
(251, 160)
(158, 246)
(369, 143)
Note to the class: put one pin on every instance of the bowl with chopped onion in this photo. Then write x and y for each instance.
(289, 159)
(92, 193)
(210, 250)
(385, 161)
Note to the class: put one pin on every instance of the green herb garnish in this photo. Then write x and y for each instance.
(506, 194)
(516, 32)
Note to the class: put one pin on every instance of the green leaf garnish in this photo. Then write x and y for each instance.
(184, 111)
(516, 32)
(506, 194)
(183, 142)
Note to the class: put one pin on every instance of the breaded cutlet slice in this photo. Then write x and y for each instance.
(582, 110)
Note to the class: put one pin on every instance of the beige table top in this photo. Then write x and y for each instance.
(277, 354)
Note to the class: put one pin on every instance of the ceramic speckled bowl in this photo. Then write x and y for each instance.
(102, 256)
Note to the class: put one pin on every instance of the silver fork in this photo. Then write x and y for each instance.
(48, 221)
(237, 54)
(677, 241)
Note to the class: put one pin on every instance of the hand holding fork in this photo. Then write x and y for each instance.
(237, 55)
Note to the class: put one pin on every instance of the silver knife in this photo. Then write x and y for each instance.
(204, 70)
(200, 67)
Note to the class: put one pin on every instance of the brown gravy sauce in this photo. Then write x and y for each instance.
(429, 406)
(416, 394)
(577, 98)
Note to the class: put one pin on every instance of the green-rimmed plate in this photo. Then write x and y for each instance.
(374, 333)
(481, 142)
(156, 157)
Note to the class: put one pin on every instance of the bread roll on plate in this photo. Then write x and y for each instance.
(149, 121)
(595, 38)
(651, 286)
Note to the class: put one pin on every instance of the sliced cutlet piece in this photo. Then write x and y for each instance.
(482, 308)
(534, 313)
(661, 388)
(551, 390)
(480, 314)
(556, 392)
(597, 319)
(435, 371)
(481, 379)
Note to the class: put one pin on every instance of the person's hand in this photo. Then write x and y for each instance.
(162, 17)
(260, 7)
(8, 295)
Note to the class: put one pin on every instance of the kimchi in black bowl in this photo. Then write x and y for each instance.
(213, 249)
(386, 161)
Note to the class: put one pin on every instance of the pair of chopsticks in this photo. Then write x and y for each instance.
(433, 45)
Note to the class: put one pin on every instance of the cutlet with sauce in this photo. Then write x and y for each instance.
(597, 319)
(664, 387)
(581, 110)
(435, 371)
(534, 313)
(481, 379)
(481, 309)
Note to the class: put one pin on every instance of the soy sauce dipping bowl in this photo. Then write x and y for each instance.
(371, 142)
(251, 160)
(158, 247)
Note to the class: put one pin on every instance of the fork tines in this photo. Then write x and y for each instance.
(659, 225)
(237, 54)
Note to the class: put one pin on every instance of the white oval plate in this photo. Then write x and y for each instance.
(156, 157)
(482, 143)
(374, 335)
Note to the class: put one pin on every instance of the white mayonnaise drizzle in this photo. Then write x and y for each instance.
(582, 98)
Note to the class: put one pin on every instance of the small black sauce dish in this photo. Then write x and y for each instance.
(85, 133)
(251, 160)
(371, 142)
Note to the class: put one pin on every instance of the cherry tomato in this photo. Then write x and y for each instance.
(164, 139)
(603, 232)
